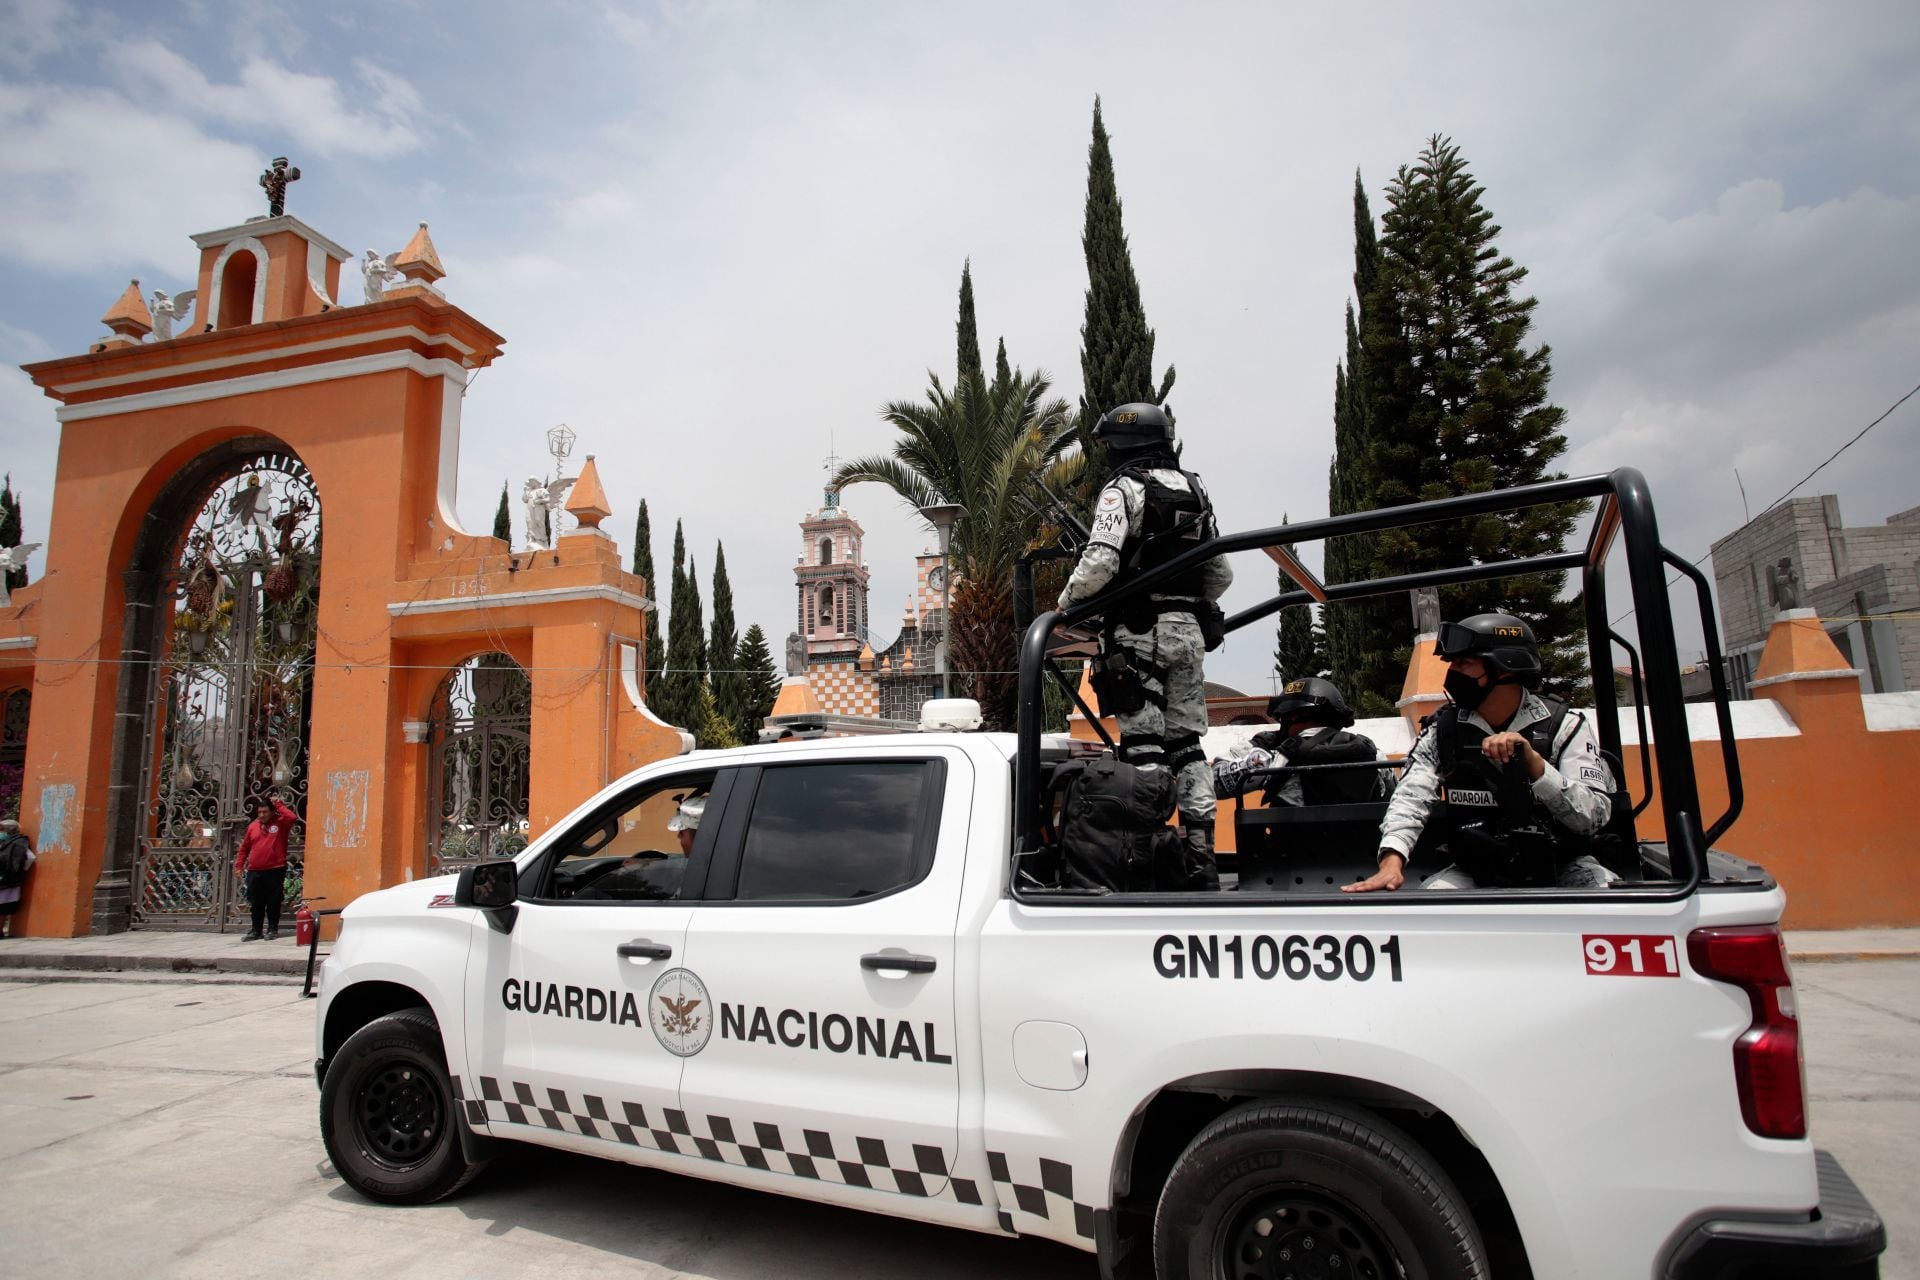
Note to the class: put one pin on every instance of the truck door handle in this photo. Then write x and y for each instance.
(897, 962)
(643, 949)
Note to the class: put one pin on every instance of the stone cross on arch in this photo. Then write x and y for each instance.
(273, 180)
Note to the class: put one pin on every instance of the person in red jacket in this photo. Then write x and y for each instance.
(262, 860)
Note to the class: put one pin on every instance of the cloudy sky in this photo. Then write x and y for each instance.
(718, 237)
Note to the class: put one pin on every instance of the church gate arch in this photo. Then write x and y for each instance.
(480, 735)
(228, 696)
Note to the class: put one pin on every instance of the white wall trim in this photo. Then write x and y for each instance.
(506, 599)
(248, 384)
(630, 685)
(18, 642)
(447, 493)
(211, 313)
(267, 226)
(261, 357)
(1843, 673)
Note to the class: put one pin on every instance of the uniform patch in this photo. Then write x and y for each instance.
(1110, 519)
(1478, 799)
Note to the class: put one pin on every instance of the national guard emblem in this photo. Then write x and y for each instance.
(680, 1012)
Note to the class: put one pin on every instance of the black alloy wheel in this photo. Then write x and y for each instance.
(387, 1112)
(1298, 1233)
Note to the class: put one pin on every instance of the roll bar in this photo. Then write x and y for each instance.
(1624, 511)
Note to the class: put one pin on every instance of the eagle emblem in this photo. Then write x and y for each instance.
(676, 1012)
(679, 1017)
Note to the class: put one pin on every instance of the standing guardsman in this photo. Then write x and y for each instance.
(1149, 673)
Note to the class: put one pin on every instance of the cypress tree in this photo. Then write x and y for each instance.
(969, 334)
(503, 518)
(1458, 404)
(11, 528)
(696, 626)
(674, 694)
(1361, 636)
(1116, 346)
(760, 683)
(1002, 373)
(1299, 648)
(656, 646)
(723, 648)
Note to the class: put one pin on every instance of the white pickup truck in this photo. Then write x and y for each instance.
(854, 988)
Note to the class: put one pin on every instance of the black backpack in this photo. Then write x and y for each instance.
(1112, 832)
(13, 862)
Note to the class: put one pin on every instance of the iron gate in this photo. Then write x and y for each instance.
(228, 708)
(480, 758)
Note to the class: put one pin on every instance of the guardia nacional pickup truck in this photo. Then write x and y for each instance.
(861, 986)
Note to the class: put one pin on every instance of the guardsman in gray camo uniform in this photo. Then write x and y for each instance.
(1149, 674)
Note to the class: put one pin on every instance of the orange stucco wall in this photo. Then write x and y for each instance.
(403, 598)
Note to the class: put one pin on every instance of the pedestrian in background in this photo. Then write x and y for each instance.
(262, 862)
(16, 859)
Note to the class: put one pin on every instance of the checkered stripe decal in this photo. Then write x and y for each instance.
(1050, 1198)
(849, 1161)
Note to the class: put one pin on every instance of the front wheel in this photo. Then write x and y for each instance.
(1317, 1191)
(387, 1113)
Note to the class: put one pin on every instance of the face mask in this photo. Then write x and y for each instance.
(1466, 692)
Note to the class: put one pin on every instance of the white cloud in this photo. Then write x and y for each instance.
(376, 118)
(32, 29)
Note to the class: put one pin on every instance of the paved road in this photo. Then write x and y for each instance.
(167, 1129)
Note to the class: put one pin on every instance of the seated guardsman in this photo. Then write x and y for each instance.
(1520, 774)
(1313, 719)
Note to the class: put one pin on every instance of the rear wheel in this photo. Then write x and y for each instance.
(387, 1113)
(1311, 1191)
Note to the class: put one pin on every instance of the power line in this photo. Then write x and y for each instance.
(1803, 479)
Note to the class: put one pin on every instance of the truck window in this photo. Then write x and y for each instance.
(847, 830)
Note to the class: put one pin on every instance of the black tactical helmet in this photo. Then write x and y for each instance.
(1505, 643)
(1310, 699)
(1134, 427)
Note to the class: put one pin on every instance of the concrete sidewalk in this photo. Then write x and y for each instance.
(178, 951)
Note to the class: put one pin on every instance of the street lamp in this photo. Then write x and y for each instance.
(560, 443)
(942, 516)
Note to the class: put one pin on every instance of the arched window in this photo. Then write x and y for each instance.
(236, 290)
(826, 551)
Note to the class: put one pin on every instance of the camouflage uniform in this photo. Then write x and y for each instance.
(1168, 654)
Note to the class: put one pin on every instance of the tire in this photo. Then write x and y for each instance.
(388, 1115)
(1278, 1189)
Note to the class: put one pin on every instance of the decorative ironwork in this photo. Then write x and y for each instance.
(228, 711)
(18, 709)
(480, 761)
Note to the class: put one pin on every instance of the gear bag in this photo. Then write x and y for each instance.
(13, 862)
(1332, 786)
(1112, 831)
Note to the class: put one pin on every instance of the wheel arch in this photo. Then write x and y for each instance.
(1165, 1122)
(353, 1007)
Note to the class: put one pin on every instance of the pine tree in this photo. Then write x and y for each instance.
(711, 729)
(503, 518)
(968, 362)
(760, 683)
(1116, 346)
(1361, 636)
(1458, 404)
(11, 528)
(723, 648)
(656, 645)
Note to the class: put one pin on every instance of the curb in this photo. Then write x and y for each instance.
(1849, 957)
(277, 966)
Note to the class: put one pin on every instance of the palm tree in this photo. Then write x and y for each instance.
(982, 446)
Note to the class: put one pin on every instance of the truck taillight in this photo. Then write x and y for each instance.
(1767, 1066)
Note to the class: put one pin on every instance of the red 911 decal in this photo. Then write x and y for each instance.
(1631, 955)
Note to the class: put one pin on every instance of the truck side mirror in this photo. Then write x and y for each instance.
(494, 887)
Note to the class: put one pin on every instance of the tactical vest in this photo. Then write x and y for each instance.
(1172, 522)
(1332, 786)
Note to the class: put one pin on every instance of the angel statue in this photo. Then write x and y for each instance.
(169, 311)
(380, 274)
(543, 499)
(12, 558)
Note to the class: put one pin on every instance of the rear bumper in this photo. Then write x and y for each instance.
(1841, 1240)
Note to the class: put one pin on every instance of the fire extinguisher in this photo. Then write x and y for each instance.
(303, 926)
